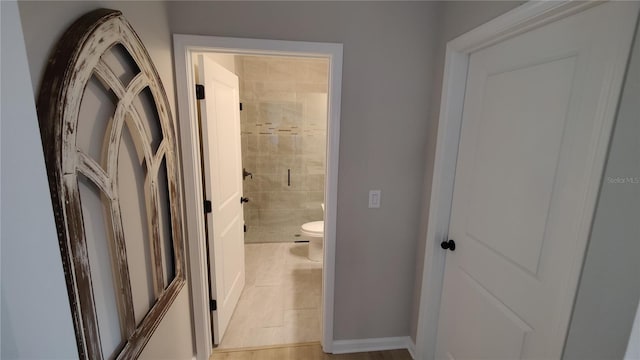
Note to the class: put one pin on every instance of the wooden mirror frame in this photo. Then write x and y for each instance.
(76, 59)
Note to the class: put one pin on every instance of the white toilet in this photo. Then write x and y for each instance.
(315, 232)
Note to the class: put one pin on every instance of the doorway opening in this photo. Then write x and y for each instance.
(282, 127)
(288, 132)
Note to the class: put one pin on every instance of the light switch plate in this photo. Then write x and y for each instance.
(374, 199)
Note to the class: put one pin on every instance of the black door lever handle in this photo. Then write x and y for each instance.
(448, 245)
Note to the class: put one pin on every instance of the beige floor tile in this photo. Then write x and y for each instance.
(295, 299)
(264, 264)
(301, 326)
(270, 274)
(297, 254)
(242, 355)
(234, 336)
(260, 306)
(264, 336)
(281, 300)
(308, 351)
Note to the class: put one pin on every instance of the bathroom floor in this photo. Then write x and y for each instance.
(281, 301)
(308, 351)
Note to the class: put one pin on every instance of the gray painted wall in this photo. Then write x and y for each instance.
(43, 23)
(394, 55)
(36, 320)
(609, 287)
(457, 17)
(386, 87)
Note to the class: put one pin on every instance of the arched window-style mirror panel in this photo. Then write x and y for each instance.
(110, 150)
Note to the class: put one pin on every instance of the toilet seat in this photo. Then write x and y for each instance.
(314, 228)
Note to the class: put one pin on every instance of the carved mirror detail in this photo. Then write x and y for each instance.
(110, 151)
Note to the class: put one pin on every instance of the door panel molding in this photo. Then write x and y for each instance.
(522, 19)
(222, 181)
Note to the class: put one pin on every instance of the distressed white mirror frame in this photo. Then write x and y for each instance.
(77, 58)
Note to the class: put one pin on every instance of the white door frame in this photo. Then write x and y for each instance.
(524, 18)
(184, 46)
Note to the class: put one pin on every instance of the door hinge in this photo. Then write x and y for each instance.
(213, 305)
(245, 228)
(240, 106)
(199, 92)
(207, 206)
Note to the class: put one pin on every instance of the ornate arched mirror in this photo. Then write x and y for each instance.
(110, 150)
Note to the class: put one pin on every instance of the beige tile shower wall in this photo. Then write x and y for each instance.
(283, 121)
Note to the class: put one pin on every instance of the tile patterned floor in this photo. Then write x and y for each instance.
(308, 351)
(281, 300)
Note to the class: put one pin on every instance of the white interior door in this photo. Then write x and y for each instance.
(531, 121)
(221, 149)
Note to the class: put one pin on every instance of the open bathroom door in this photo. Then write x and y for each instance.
(222, 169)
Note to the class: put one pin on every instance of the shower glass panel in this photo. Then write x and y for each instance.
(284, 117)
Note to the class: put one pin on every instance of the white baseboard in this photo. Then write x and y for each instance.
(412, 348)
(375, 344)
